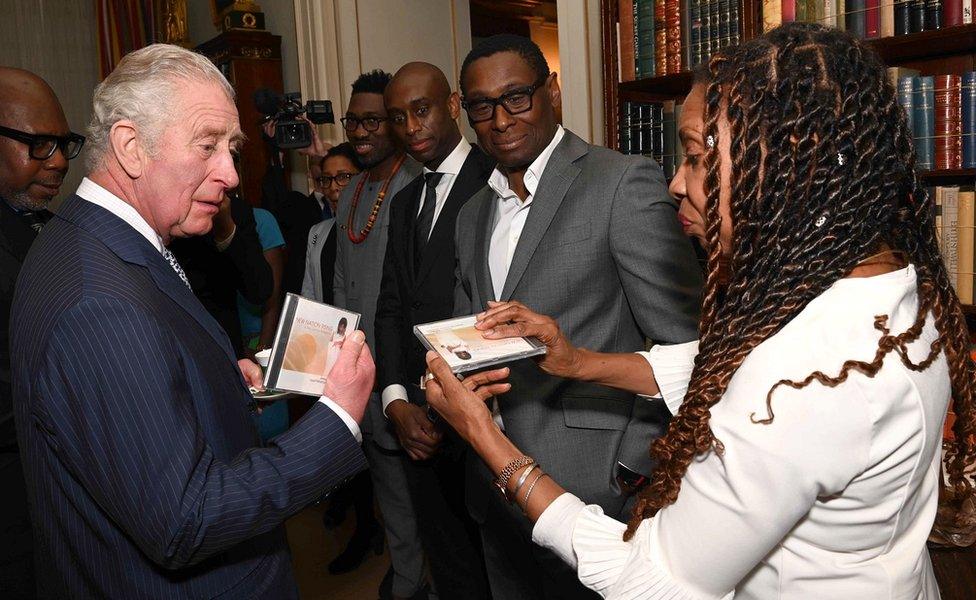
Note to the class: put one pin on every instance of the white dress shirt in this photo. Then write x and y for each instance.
(450, 167)
(834, 498)
(96, 194)
(511, 213)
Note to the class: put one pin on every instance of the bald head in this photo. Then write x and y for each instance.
(423, 112)
(28, 105)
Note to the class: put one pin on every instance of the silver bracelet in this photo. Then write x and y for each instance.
(525, 501)
(525, 475)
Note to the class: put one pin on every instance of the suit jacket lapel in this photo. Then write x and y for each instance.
(412, 192)
(16, 236)
(470, 179)
(131, 247)
(559, 174)
(485, 222)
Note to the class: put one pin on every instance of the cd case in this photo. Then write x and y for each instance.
(306, 345)
(464, 348)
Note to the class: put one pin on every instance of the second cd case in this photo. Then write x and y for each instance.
(464, 348)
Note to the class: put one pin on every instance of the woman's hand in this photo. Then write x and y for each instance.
(514, 319)
(462, 403)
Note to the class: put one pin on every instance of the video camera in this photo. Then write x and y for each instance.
(290, 131)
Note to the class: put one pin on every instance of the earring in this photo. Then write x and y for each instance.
(710, 141)
(820, 221)
(841, 159)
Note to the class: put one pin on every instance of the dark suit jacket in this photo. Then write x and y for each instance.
(603, 254)
(410, 296)
(139, 449)
(217, 276)
(16, 237)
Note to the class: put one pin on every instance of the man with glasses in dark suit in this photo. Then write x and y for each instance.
(35, 147)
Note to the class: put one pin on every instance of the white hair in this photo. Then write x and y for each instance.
(142, 89)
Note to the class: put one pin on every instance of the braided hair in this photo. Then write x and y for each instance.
(822, 177)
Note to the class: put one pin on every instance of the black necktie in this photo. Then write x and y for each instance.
(426, 217)
(35, 220)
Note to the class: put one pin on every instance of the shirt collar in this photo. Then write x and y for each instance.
(96, 194)
(498, 181)
(455, 160)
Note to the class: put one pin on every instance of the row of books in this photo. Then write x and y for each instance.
(870, 18)
(664, 37)
(941, 111)
(955, 224)
(650, 129)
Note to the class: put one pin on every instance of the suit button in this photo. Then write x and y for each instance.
(415, 305)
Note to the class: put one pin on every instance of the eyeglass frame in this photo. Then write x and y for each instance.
(30, 139)
(357, 122)
(529, 90)
(335, 178)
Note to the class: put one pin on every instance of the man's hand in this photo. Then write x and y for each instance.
(462, 403)
(319, 147)
(514, 319)
(253, 376)
(351, 380)
(417, 434)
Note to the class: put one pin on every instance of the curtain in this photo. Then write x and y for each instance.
(123, 26)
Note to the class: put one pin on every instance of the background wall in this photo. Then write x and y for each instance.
(56, 40)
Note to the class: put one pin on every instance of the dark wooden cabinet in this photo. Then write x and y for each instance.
(250, 60)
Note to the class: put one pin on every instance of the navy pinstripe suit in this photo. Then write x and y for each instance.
(142, 466)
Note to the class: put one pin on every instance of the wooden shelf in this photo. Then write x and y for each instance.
(894, 50)
(927, 44)
(941, 176)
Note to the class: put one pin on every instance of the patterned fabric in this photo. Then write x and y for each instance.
(176, 266)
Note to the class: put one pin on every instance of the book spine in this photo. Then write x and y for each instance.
(815, 11)
(645, 130)
(669, 139)
(694, 36)
(685, 16)
(968, 109)
(660, 39)
(923, 100)
(917, 16)
(801, 10)
(724, 37)
(887, 12)
(905, 99)
(628, 41)
(903, 21)
(624, 139)
(672, 32)
(855, 17)
(965, 246)
(967, 12)
(872, 22)
(657, 132)
(933, 15)
(645, 26)
(734, 29)
(787, 11)
(772, 14)
(952, 13)
(950, 231)
(841, 12)
(948, 122)
(937, 194)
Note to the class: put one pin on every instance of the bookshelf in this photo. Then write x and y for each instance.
(949, 50)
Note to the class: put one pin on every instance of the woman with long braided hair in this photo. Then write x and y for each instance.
(803, 460)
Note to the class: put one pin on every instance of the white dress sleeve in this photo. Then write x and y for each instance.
(732, 509)
(672, 365)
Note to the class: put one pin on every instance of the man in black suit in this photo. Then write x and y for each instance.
(32, 168)
(418, 287)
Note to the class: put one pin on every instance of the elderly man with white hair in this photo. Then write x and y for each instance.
(143, 467)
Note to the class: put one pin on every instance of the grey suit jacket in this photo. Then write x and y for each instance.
(359, 271)
(602, 253)
(312, 283)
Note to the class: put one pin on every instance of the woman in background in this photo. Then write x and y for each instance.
(804, 459)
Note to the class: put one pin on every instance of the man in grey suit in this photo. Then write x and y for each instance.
(589, 237)
(362, 221)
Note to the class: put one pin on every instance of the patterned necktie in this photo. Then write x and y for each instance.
(425, 220)
(176, 266)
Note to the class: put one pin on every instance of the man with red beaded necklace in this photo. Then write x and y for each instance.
(360, 249)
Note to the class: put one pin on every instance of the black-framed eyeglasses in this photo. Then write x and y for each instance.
(514, 102)
(42, 146)
(341, 179)
(369, 123)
